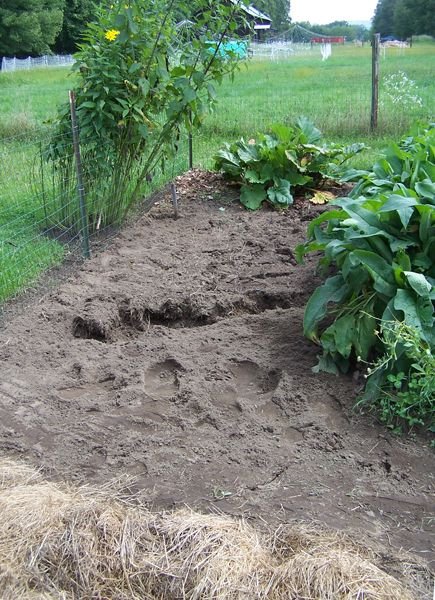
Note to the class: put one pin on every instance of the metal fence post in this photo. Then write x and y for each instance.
(375, 81)
(190, 142)
(84, 225)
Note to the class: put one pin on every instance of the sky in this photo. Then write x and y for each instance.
(326, 11)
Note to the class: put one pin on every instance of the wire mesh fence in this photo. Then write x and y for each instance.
(19, 64)
(280, 50)
(40, 221)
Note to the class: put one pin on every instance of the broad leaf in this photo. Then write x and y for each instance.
(253, 176)
(416, 313)
(381, 271)
(365, 337)
(252, 196)
(419, 283)
(248, 153)
(426, 189)
(335, 289)
(310, 132)
(280, 193)
(402, 205)
(344, 333)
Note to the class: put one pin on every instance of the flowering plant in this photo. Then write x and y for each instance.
(401, 91)
(145, 75)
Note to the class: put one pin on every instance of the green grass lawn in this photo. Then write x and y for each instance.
(29, 98)
(334, 94)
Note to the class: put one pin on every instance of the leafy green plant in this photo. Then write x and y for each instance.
(142, 83)
(408, 165)
(381, 247)
(270, 167)
(407, 396)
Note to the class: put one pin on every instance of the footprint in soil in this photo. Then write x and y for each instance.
(251, 387)
(161, 380)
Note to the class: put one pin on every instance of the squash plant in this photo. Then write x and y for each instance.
(380, 242)
(270, 167)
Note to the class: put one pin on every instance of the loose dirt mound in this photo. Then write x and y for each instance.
(65, 542)
(177, 356)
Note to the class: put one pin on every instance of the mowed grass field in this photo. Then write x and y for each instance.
(335, 95)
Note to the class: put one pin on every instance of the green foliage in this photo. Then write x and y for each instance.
(407, 369)
(142, 83)
(383, 18)
(381, 243)
(271, 167)
(277, 10)
(29, 26)
(340, 28)
(404, 18)
(76, 15)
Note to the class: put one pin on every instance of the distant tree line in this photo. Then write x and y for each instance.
(404, 18)
(339, 29)
(35, 27)
(38, 27)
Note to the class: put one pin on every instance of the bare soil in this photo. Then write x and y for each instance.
(177, 356)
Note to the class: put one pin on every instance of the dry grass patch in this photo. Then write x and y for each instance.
(63, 542)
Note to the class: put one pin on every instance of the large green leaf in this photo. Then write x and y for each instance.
(328, 215)
(326, 364)
(419, 283)
(365, 336)
(335, 289)
(253, 176)
(284, 133)
(226, 155)
(417, 313)
(363, 220)
(296, 178)
(248, 153)
(280, 194)
(252, 196)
(402, 205)
(309, 131)
(381, 271)
(426, 189)
(344, 333)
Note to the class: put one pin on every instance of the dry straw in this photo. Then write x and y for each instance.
(64, 543)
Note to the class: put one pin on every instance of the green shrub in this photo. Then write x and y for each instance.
(408, 389)
(380, 243)
(142, 83)
(273, 165)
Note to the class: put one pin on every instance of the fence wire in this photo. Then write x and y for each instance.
(40, 225)
(20, 64)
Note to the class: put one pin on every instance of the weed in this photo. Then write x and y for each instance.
(408, 392)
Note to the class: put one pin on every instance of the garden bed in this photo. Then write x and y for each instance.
(177, 356)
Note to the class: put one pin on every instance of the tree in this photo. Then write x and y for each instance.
(77, 14)
(29, 26)
(403, 18)
(341, 29)
(277, 10)
(422, 16)
(383, 20)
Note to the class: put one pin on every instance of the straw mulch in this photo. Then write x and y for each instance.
(63, 542)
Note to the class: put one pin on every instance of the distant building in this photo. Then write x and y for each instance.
(260, 22)
(328, 39)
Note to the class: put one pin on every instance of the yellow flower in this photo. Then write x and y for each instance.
(111, 35)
